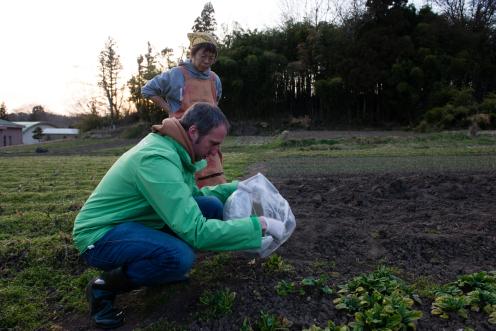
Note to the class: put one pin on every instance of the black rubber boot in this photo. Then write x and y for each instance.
(101, 292)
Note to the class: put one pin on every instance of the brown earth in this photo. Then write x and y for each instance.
(430, 227)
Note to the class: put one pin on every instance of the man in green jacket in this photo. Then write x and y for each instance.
(146, 216)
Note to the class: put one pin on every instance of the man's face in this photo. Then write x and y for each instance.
(209, 143)
(203, 60)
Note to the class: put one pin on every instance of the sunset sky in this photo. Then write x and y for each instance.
(49, 48)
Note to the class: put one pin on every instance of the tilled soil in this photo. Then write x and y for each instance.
(429, 227)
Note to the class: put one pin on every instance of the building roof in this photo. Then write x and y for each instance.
(66, 131)
(28, 125)
(10, 124)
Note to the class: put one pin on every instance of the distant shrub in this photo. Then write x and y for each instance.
(136, 131)
(458, 106)
(88, 122)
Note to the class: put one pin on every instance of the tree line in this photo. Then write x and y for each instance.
(384, 63)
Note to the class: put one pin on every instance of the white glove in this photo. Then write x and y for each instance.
(275, 228)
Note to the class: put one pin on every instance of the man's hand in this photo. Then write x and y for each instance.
(272, 226)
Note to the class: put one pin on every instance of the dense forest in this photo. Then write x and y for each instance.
(387, 63)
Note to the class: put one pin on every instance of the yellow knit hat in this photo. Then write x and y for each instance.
(196, 38)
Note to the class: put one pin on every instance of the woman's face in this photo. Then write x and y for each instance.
(203, 60)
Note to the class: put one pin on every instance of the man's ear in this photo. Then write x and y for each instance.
(193, 133)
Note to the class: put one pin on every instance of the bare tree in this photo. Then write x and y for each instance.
(89, 105)
(483, 13)
(349, 10)
(314, 11)
(109, 68)
(478, 14)
(453, 9)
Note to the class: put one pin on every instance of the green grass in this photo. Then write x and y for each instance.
(439, 144)
(72, 146)
(41, 275)
(318, 165)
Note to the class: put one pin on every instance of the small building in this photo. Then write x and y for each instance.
(10, 133)
(29, 130)
(59, 133)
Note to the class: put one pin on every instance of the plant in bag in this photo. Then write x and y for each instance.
(258, 196)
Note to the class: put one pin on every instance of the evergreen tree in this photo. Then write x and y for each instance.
(148, 67)
(206, 21)
(38, 133)
(38, 114)
(3, 111)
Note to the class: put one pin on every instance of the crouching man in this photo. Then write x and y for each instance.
(146, 216)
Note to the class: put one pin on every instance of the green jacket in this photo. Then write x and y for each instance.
(153, 184)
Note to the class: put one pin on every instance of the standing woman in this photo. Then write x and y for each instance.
(177, 89)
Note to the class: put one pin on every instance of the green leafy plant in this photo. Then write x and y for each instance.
(392, 313)
(320, 282)
(446, 303)
(379, 301)
(271, 322)
(217, 303)
(492, 316)
(479, 280)
(275, 263)
(331, 326)
(475, 291)
(246, 326)
(284, 288)
(481, 299)
(382, 280)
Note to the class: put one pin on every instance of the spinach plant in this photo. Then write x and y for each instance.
(475, 292)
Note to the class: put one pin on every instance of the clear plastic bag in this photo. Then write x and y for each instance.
(257, 196)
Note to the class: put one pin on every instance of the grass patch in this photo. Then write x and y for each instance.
(318, 165)
(42, 276)
(71, 147)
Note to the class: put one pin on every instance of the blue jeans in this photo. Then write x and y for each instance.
(149, 256)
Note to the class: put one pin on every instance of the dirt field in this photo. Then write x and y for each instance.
(432, 227)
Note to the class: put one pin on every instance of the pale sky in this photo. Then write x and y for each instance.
(49, 48)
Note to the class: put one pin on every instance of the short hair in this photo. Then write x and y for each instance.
(205, 116)
(208, 47)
